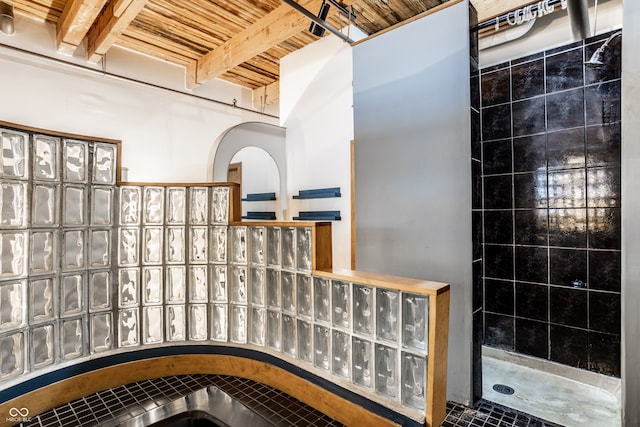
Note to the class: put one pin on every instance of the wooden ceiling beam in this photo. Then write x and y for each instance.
(114, 19)
(74, 23)
(266, 95)
(275, 27)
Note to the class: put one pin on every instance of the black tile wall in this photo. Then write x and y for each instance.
(548, 187)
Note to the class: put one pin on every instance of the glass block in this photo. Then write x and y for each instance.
(304, 252)
(74, 161)
(42, 345)
(219, 329)
(99, 248)
(258, 286)
(130, 205)
(288, 289)
(128, 327)
(274, 330)
(341, 299)
(238, 285)
(101, 206)
(176, 323)
(129, 287)
(74, 205)
(386, 371)
(387, 314)
(304, 292)
(99, 290)
(198, 322)
(218, 283)
(13, 204)
(152, 244)
(152, 285)
(218, 244)
(153, 209)
(72, 338)
(238, 244)
(220, 205)
(44, 205)
(128, 247)
(176, 284)
(415, 318)
(289, 336)
(305, 340)
(71, 295)
(41, 299)
(12, 355)
(273, 288)
(46, 161)
(13, 257)
(15, 154)
(322, 299)
(175, 245)
(198, 284)
(199, 244)
(273, 246)
(199, 208)
(362, 357)
(414, 374)
(340, 350)
(238, 324)
(362, 306)
(152, 332)
(100, 332)
(258, 333)
(104, 164)
(176, 205)
(73, 250)
(13, 307)
(256, 245)
(288, 248)
(42, 252)
(321, 347)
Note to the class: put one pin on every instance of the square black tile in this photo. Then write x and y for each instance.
(529, 153)
(498, 261)
(566, 149)
(476, 184)
(568, 228)
(475, 91)
(527, 79)
(498, 192)
(565, 109)
(602, 102)
(604, 312)
(478, 284)
(603, 145)
(603, 187)
(568, 267)
(532, 338)
(476, 136)
(567, 189)
(476, 224)
(496, 87)
(528, 116)
(496, 157)
(498, 227)
(604, 270)
(604, 353)
(499, 296)
(568, 306)
(565, 70)
(604, 230)
(532, 301)
(563, 48)
(569, 346)
(531, 227)
(531, 264)
(499, 331)
(496, 122)
(530, 190)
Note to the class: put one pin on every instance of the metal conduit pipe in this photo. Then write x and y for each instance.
(6, 18)
(579, 17)
(318, 21)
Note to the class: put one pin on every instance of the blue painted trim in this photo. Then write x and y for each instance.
(318, 216)
(319, 193)
(150, 353)
(257, 197)
(260, 215)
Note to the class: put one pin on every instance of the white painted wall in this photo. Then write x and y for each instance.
(316, 100)
(166, 136)
(259, 175)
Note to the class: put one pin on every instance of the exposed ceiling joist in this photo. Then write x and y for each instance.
(266, 95)
(74, 23)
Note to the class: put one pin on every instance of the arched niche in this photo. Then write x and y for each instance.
(270, 138)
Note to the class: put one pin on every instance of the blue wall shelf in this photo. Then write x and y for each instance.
(258, 197)
(318, 216)
(260, 215)
(320, 193)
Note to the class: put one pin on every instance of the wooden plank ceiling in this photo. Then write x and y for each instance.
(240, 41)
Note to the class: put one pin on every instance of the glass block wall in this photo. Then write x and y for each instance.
(89, 267)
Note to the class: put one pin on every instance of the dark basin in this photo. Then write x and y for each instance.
(190, 419)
